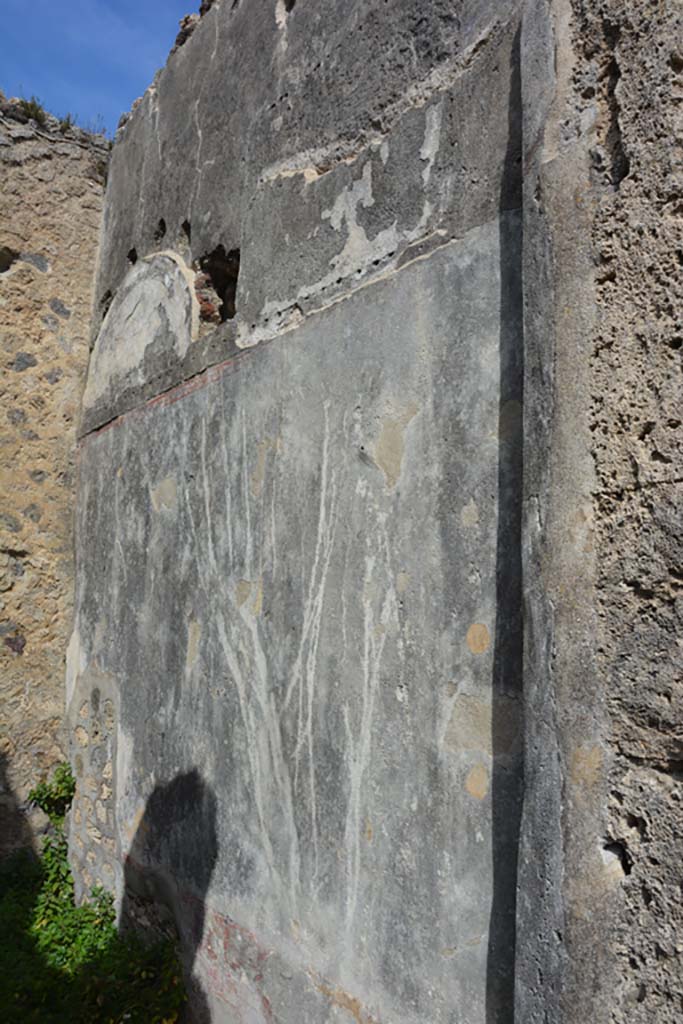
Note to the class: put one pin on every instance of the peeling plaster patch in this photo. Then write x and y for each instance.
(277, 321)
(358, 252)
(469, 515)
(477, 781)
(165, 495)
(388, 453)
(415, 96)
(155, 301)
(311, 163)
(430, 146)
(361, 261)
(478, 638)
(346, 203)
(344, 211)
(188, 276)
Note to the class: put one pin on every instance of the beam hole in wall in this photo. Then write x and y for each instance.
(289, 5)
(7, 258)
(620, 852)
(186, 229)
(132, 255)
(217, 284)
(105, 303)
(160, 231)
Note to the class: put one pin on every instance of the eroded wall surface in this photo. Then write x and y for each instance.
(51, 197)
(637, 238)
(294, 679)
(599, 925)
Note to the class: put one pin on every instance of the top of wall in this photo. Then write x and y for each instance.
(22, 127)
(324, 144)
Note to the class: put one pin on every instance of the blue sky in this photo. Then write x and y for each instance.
(90, 58)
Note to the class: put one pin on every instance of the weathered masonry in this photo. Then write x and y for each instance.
(51, 195)
(353, 694)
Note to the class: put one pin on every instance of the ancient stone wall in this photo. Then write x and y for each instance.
(51, 193)
(599, 926)
(293, 685)
(372, 691)
(633, 55)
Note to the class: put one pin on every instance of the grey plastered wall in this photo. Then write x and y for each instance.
(298, 600)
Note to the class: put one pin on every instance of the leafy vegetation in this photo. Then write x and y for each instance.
(93, 125)
(34, 109)
(54, 797)
(61, 963)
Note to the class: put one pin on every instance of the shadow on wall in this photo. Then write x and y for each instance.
(15, 833)
(507, 709)
(168, 870)
(61, 963)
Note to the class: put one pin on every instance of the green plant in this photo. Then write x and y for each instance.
(54, 797)
(95, 125)
(60, 962)
(66, 123)
(34, 109)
